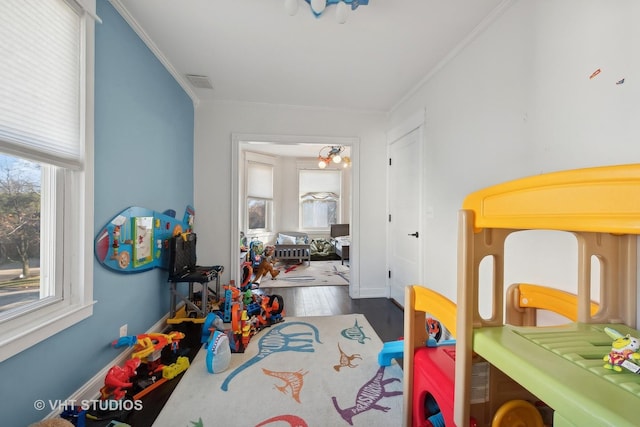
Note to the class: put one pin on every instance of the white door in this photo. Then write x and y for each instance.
(405, 195)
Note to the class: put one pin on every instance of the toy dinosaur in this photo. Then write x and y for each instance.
(266, 265)
(118, 379)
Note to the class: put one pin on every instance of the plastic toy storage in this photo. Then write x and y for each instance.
(560, 365)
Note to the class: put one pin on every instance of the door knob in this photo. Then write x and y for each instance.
(416, 235)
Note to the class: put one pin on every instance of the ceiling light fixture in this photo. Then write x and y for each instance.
(318, 7)
(330, 153)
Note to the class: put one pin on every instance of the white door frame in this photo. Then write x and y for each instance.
(237, 144)
(413, 122)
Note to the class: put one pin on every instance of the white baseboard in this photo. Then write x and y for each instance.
(91, 389)
(374, 293)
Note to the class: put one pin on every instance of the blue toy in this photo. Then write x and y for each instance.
(218, 352)
(395, 349)
(390, 350)
(256, 248)
(213, 321)
(137, 239)
(228, 299)
(76, 415)
(216, 343)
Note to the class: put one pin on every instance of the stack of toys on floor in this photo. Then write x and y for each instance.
(231, 322)
(138, 239)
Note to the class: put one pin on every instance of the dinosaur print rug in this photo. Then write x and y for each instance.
(303, 372)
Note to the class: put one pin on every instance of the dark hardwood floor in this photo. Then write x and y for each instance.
(383, 314)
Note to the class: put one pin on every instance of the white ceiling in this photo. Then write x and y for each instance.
(252, 51)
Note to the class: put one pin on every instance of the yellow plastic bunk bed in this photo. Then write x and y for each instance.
(561, 366)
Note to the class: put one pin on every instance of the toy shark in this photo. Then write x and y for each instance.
(137, 239)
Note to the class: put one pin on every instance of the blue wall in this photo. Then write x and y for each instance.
(143, 157)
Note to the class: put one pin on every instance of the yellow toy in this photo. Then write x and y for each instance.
(146, 344)
(559, 365)
(173, 370)
(624, 351)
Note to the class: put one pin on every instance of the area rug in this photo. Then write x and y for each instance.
(319, 273)
(304, 372)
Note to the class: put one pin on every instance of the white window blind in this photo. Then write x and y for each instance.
(260, 180)
(40, 81)
(315, 181)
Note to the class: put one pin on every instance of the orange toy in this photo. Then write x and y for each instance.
(266, 265)
(146, 344)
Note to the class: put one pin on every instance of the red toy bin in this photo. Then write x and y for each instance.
(433, 386)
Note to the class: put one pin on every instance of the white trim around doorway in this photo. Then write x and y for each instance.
(240, 140)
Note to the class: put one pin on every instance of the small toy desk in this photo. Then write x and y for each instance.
(561, 366)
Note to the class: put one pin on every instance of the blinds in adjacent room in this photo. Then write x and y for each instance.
(315, 181)
(260, 180)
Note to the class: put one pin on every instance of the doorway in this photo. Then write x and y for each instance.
(300, 146)
(405, 235)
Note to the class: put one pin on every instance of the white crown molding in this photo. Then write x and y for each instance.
(413, 122)
(182, 81)
(486, 22)
(293, 106)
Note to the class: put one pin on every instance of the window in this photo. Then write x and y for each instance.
(20, 217)
(46, 169)
(259, 196)
(319, 198)
(319, 210)
(257, 213)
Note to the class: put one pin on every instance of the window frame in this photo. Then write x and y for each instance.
(72, 207)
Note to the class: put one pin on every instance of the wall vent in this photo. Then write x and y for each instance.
(201, 82)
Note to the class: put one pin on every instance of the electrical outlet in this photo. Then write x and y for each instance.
(123, 330)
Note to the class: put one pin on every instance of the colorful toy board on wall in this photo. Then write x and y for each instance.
(137, 239)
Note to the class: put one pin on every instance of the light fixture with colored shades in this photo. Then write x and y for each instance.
(331, 153)
(318, 7)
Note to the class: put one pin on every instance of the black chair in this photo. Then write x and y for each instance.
(183, 269)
